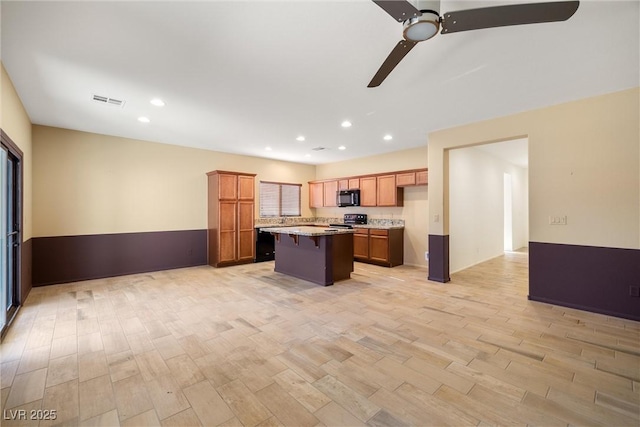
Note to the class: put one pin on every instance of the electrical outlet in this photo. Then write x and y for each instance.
(634, 291)
(426, 256)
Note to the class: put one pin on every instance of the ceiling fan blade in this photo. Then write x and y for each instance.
(400, 10)
(400, 51)
(501, 16)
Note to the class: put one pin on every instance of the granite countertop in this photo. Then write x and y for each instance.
(379, 227)
(322, 224)
(308, 230)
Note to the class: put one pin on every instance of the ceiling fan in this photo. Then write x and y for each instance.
(422, 24)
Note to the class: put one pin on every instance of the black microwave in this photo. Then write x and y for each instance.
(348, 198)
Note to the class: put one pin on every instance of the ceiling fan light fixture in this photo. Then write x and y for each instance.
(422, 27)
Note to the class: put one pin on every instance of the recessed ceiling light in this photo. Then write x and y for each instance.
(268, 148)
(342, 147)
(346, 124)
(388, 137)
(157, 102)
(143, 119)
(307, 155)
(300, 138)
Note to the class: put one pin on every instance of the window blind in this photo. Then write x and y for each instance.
(279, 199)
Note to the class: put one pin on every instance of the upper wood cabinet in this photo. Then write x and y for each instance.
(368, 195)
(330, 193)
(388, 194)
(422, 177)
(383, 189)
(406, 179)
(316, 194)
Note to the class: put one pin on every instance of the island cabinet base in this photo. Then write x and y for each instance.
(318, 259)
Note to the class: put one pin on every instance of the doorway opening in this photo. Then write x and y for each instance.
(487, 201)
(10, 229)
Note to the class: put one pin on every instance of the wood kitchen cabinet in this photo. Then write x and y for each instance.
(388, 193)
(382, 189)
(406, 179)
(330, 193)
(379, 246)
(361, 244)
(231, 208)
(411, 178)
(422, 177)
(368, 191)
(316, 194)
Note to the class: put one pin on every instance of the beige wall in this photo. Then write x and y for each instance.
(416, 200)
(584, 162)
(86, 183)
(15, 122)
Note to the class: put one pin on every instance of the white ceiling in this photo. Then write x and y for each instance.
(240, 76)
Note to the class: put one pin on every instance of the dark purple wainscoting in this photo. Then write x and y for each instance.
(585, 277)
(439, 258)
(72, 258)
(25, 271)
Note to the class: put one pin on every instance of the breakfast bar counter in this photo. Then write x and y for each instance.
(321, 255)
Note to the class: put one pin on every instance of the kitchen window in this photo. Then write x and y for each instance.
(279, 199)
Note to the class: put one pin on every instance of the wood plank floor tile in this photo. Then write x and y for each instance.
(106, 419)
(62, 369)
(333, 414)
(186, 418)
(64, 399)
(132, 397)
(34, 358)
(243, 403)
(285, 408)
(27, 388)
(358, 405)
(184, 371)
(151, 365)
(167, 396)
(400, 409)
(595, 412)
(148, 418)
(307, 395)
(207, 404)
(96, 397)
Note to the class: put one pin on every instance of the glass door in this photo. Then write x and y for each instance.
(10, 237)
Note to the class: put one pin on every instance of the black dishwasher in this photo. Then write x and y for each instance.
(265, 246)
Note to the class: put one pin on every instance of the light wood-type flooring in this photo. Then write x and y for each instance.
(247, 346)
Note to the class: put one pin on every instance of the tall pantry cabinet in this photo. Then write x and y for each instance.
(231, 206)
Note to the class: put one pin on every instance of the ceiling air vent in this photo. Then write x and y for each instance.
(318, 149)
(108, 101)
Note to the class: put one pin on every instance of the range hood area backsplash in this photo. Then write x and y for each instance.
(382, 222)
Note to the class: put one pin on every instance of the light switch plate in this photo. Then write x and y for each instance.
(558, 220)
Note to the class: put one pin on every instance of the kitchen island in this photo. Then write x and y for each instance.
(321, 255)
